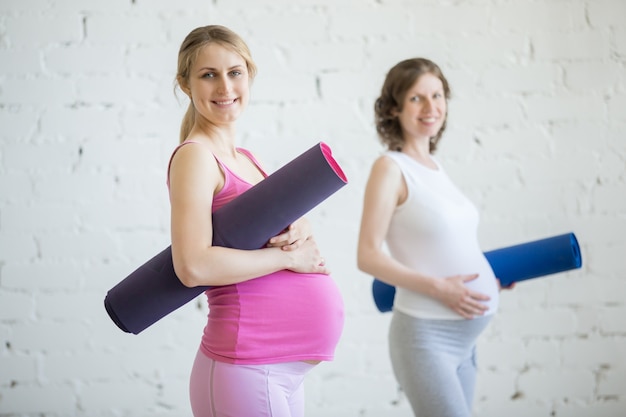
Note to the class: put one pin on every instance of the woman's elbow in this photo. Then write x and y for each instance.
(186, 274)
(362, 261)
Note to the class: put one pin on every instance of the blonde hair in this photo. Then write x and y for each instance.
(188, 53)
(399, 80)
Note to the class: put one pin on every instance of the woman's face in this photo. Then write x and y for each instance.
(219, 84)
(424, 108)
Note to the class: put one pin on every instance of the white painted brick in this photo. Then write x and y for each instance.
(494, 387)
(557, 385)
(20, 218)
(108, 90)
(71, 6)
(563, 108)
(539, 323)
(50, 400)
(154, 123)
(543, 354)
(540, 201)
(15, 305)
(482, 51)
(592, 76)
(125, 156)
(17, 247)
(15, 188)
(59, 306)
(271, 26)
(608, 408)
(17, 125)
(571, 46)
(612, 383)
(540, 17)
(539, 78)
(577, 167)
(611, 290)
(19, 61)
(50, 29)
(607, 260)
(85, 59)
(345, 23)
(619, 37)
(66, 367)
(26, 157)
(295, 87)
(617, 105)
(325, 56)
(607, 13)
(114, 395)
(22, 6)
(613, 319)
(160, 59)
(71, 335)
(17, 369)
(165, 6)
(518, 408)
(19, 91)
(478, 111)
(120, 29)
(578, 136)
(40, 276)
(348, 84)
(593, 353)
(85, 245)
(63, 188)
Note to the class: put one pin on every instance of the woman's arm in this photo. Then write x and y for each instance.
(385, 189)
(194, 177)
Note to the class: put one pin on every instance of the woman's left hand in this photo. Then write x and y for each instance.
(293, 237)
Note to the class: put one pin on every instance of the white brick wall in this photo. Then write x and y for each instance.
(537, 138)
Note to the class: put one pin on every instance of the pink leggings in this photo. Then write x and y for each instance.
(219, 389)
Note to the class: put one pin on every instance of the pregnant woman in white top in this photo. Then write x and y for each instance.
(446, 289)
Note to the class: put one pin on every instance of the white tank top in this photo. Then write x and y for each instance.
(435, 232)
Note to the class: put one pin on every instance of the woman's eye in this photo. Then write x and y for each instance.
(415, 98)
(209, 75)
(235, 73)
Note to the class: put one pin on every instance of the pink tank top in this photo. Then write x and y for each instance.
(281, 317)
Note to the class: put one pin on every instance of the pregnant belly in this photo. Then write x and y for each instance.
(286, 312)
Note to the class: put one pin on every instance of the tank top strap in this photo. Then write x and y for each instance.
(253, 159)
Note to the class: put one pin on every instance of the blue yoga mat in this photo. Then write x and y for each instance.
(153, 290)
(512, 264)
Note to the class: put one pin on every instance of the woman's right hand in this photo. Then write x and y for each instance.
(307, 258)
(453, 292)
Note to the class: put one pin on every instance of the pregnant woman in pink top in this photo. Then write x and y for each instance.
(275, 312)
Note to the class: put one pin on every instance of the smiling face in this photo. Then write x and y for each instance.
(218, 84)
(424, 108)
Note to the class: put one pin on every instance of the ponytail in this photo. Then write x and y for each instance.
(188, 121)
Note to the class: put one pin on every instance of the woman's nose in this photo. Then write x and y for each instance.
(224, 85)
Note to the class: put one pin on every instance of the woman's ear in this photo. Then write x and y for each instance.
(184, 86)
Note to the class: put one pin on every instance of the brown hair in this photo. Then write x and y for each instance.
(189, 50)
(398, 81)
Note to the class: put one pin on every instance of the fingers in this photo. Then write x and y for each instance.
(467, 278)
(470, 308)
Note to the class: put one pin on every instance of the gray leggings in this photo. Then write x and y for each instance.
(434, 362)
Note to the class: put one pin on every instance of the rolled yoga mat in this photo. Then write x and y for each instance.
(153, 290)
(512, 264)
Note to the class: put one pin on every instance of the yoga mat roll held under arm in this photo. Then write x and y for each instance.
(512, 264)
(153, 290)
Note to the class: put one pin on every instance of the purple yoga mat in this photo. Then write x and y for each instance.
(153, 290)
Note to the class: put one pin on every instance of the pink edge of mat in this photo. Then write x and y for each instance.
(328, 154)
